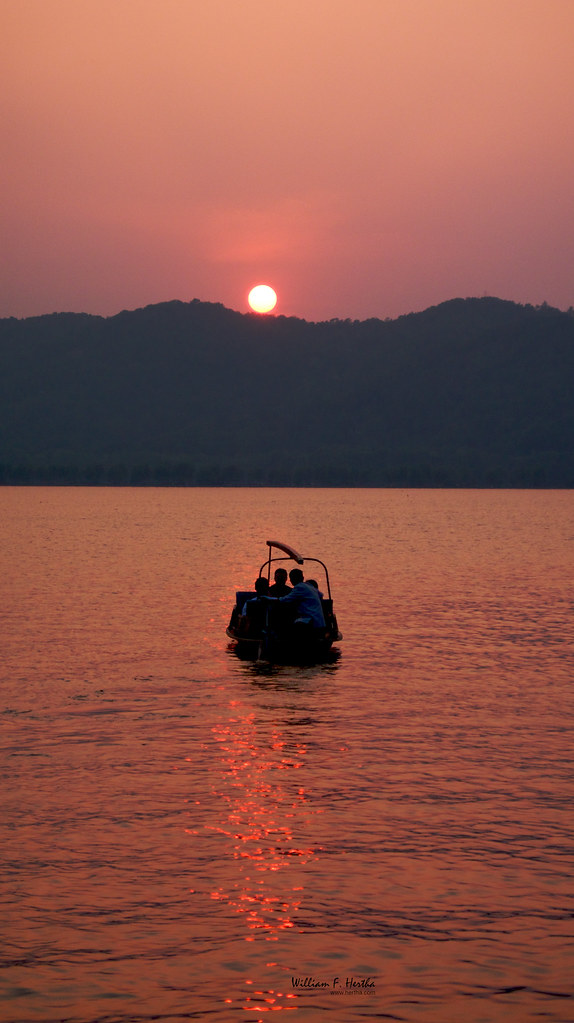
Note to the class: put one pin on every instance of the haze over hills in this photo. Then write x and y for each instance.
(473, 392)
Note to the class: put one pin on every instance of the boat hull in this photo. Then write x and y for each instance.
(283, 649)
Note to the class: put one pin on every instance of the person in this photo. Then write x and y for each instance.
(254, 610)
(306, 602)
(280, 587)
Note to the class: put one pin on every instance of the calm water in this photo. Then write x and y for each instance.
(186, 837)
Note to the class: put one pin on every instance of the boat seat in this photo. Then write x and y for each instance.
(241, 596)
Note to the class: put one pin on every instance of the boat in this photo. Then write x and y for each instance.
(269, 633)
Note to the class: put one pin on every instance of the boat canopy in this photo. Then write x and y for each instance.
(289, 551)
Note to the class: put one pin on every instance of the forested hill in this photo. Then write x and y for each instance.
(473, 392)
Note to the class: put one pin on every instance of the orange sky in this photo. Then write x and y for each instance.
(364, 157)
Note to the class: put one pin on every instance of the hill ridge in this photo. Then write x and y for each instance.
(471, 392)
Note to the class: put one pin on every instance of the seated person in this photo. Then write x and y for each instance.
(279, 588)
(254, 611)
(305, 602)
(313, 582)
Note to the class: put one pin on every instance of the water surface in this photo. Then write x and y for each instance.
(185, 836)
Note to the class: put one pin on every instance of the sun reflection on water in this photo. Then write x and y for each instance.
(266, 809)
(263, 811)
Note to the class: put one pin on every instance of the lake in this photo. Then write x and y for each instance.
(187, 836)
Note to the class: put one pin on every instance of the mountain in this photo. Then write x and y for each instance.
(472, 392)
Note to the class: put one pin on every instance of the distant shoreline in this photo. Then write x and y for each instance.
(286, 486)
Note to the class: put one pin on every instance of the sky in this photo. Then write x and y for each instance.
(363, 157)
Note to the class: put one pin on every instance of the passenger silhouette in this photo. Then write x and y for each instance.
(280, 587)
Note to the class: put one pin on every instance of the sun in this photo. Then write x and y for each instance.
(262, 298)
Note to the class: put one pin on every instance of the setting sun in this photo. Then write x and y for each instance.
(262, 298)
